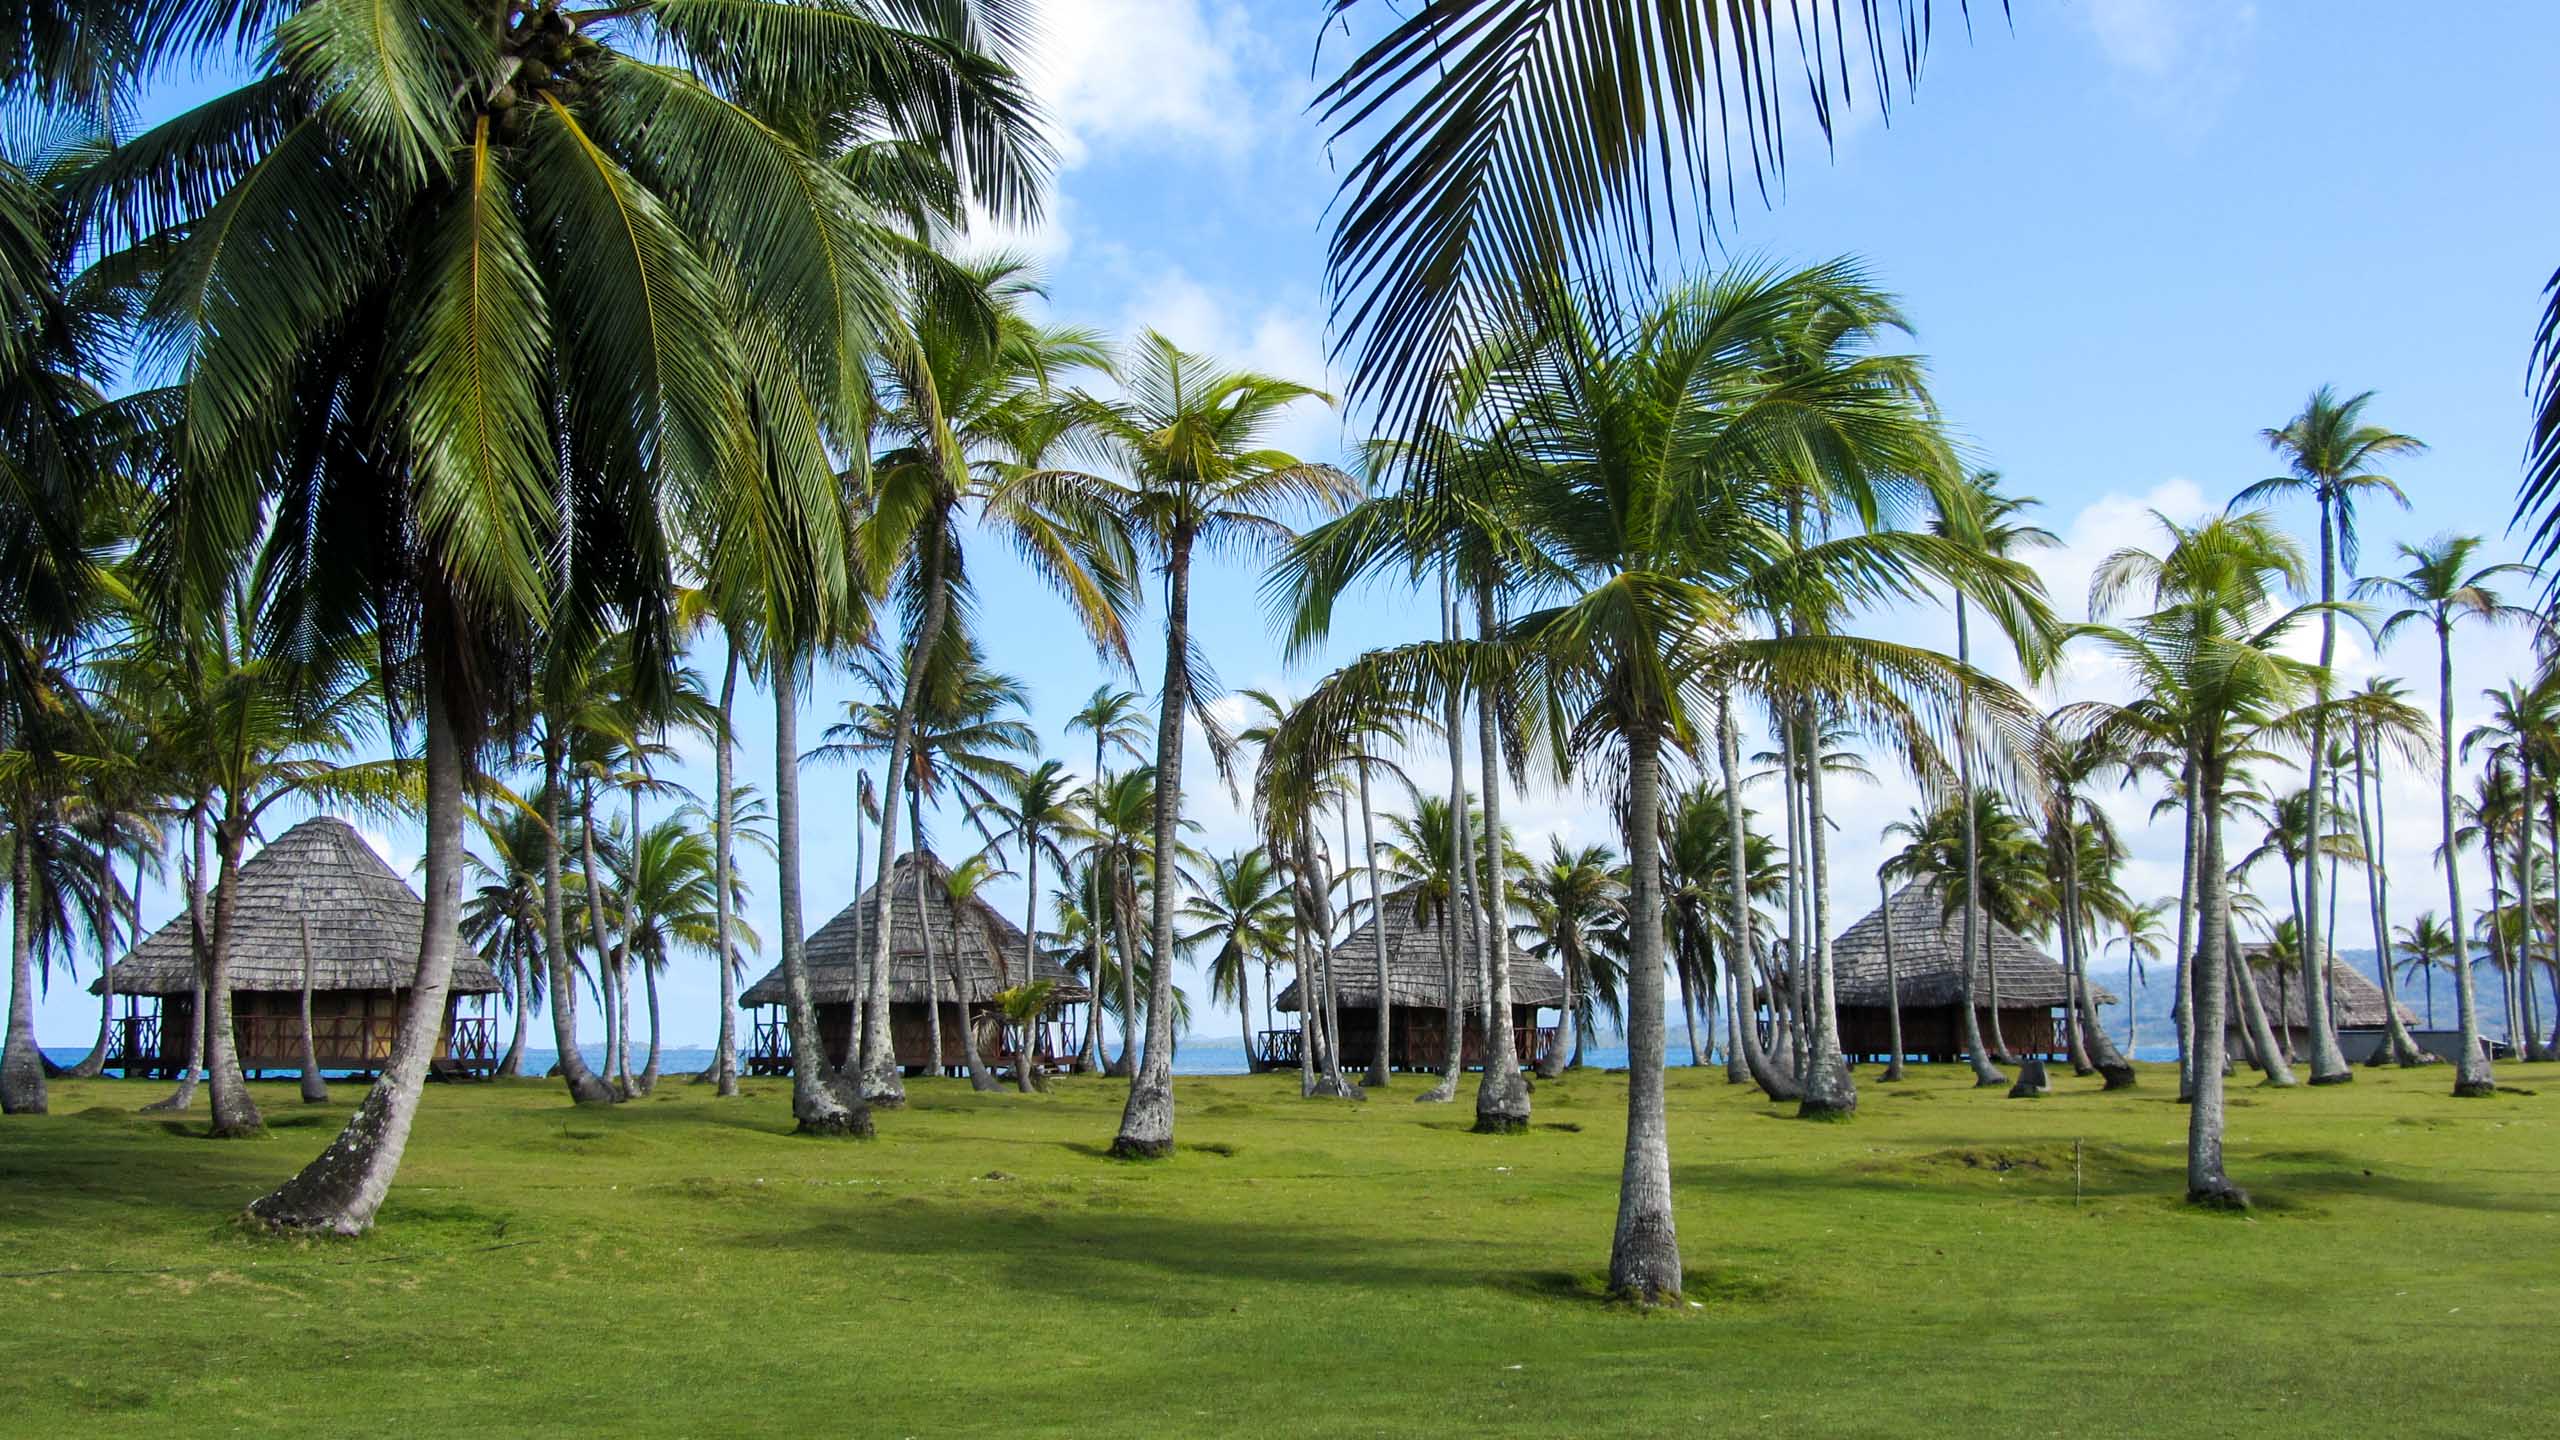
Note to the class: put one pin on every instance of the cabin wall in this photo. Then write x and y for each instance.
(350, 1030)
(1420, 1036)
(1936, 1032)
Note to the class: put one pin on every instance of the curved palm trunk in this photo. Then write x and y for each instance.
(1568, 1041)
(511, 1064)
(235, 1115)
(1124, 925)
(1764, 1071)
(2089, 1037)
(2207, 1184)
(2263, 1041)
(1090, 1062)
(2551, 1047)
(340, 1191)
(585, 1087)
(724, 820)
(1456, 925)
(1331, 1083)
(1983, 1071)
(820, 1104)
(2328, 1063)
(1028, 1060)
(932, 980)
(879, 1080)
(649, 984)
(1829, 1089)
(980, 1078)
(1146, 1122)
(1892, 985)
(2182, 987)
(2519, 967)
(1680, 968)
(22, 1082)
(315, 1089)
(1644, 1254)
(1502, 1097)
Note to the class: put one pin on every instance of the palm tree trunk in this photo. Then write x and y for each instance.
(1025, 1062)
(2263, 1041)
(1332, 1082)
(2519, 968)
(2089, 1036)
(1456, 922)
(1984, 1074)
(880, 1082)
(2398, 1046)
(22, 1082)
(1644, 1254)
(2551, 1047)
(235, 1115)
(649, 982)
(2472, 1075)
(1892, 984)
(585, 1088)
(1773, 1082)
(932, 981)
(1829, 1090)
(2206, 1182)
(340, 1191)
(858, 1043)
(2182, 987)
(1381, 1061)
(1100, 930)
(94, 1064)
(315, 1089)
(185, 1095)
(980, 1078)
(818, 1103)
(2328, 1063)
(1680, 966)
(1146, 1123)
(1502, 1097)
(615, 1085)
(1124, 926)
(724, 821)
(520, 1008)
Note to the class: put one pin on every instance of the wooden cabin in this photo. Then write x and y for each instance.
(1418, 965)
(1927, 938)
(986, 948)
(317, 907)
(2355, 1009)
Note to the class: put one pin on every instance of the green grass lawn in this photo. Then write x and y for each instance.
(1298, 1267)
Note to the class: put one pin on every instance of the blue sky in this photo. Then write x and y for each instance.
(2130, 235)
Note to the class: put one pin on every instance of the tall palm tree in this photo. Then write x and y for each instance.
(2380, 719)
(1979, 517)
(1192, 440)
(1242, 910)
(972, 409)
(2331, 454)
(2077, 826)
(1039, 807)
(467, 308)
(2441, 588)
(1115, 720)
(502, 917)
(2207, 662)
(672, 904)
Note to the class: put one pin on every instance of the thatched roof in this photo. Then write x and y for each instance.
(1414, 970)
(833, 965)
(1926, 942)
(2357, 1002)
(364, 924)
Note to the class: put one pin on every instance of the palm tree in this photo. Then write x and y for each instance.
(1040, 806)
(502, 918)
(970, 413)
(1979, 856)
(2143, 940)
(2541, 485)
(2380, 717)
(2440, 588)
(1502, 138)
(671, 901)
(1192, 439)
(1570, 900)
(1117, 837)
(2078, 831)
(2426, 945)
(1243, 910)
(2331, 454)
(432, 288)
(1114, 718)
(1022, 1006)
(961, 887)
(1982, 519)
(2210, 673)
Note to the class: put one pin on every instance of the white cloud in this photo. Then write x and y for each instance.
(1143, 73)
(2180, 58)
(1046, 240)
(1250, 333)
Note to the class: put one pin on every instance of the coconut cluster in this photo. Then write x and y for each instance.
(552, 59)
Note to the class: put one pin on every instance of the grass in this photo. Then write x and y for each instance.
(681, 1262)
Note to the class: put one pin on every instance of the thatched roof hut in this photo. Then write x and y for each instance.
(364, 923)
(1927, 938)
(1415, 970)
(974, 933)
(2355, 1002)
